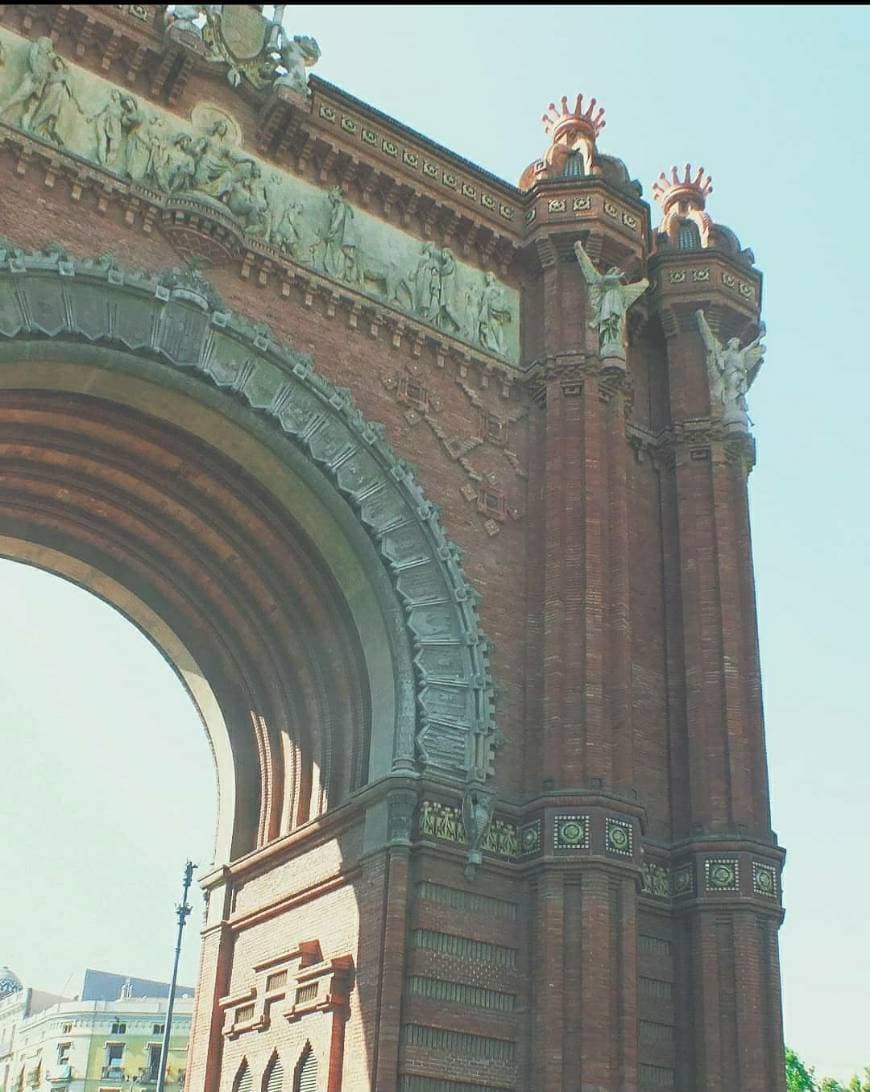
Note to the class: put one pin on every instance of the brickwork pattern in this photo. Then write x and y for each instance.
(604, 522)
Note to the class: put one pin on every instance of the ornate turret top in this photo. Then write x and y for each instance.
(573, 132)
(689, 190)
(566, 125)
(683, 200)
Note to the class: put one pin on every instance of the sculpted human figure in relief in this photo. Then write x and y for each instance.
(610, 300)
(40, 63)
(339, 257)
(47, 119)
(109, 130)
(732, 371)
(44, 92)
(492, 314)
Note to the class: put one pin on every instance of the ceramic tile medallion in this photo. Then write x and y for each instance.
(571, 832)
(721, 874)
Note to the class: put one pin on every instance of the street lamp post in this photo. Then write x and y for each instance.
(182, 911)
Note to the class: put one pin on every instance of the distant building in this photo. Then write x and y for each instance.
(93, 1044)
(17, 1003)
(106, 986)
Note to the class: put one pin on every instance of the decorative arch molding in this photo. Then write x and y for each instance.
(52, 306)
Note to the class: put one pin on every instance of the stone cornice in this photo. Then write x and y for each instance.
(692, 440)
(681, 281)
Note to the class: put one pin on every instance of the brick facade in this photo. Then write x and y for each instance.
(621, 933)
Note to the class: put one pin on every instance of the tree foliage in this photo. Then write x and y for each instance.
(802, 1078)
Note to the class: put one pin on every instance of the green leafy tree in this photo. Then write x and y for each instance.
(801, 1078)
(797, 1077)
(855, 1085)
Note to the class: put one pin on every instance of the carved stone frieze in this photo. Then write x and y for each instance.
(446, 823)
(202, 182)
(654, 880)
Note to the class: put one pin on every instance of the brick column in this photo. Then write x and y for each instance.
(205, 1051)
(727, 983)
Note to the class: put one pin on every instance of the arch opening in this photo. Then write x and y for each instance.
(110, 786)
(239, 596)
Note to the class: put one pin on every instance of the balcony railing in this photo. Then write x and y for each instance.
(112, 1073)
(61, 1072)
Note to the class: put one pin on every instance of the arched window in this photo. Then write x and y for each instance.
(273, 1080)
(574, 166)
(688, 236)
(306, 1072)
(244, 1081)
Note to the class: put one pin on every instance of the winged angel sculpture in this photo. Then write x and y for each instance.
(732, 371)
(610, 300)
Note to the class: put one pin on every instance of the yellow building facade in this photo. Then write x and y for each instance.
(90, 1046)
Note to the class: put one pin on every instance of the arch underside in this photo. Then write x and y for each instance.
(241, 511)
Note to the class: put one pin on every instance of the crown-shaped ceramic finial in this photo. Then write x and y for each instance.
(561, 121)
(694, 191)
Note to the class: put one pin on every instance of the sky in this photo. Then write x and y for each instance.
(107, 773)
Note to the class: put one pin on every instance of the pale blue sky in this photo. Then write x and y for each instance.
(107, 773)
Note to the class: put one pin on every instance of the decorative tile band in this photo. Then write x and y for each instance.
(440, 989)
(531, 838)
(704, 276)
(683, 881)
(722, 874)
(571, 832)
(764, 880)
(464, 947)
(618, 837)
(655, 880)
(444, 821)
(458, 1042)
(416, 162)
(467, 900)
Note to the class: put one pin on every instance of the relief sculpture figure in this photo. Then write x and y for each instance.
(215, 161)
(178, 172)
(138, 140)
(40, 65)
(57, 95)
(609, 300)
(283, 231)
(339, 257)
(731, 370)
(444, 306)
(492, 314)
(243, 193)
(108, 126)
(419, 284)
(477, 816)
